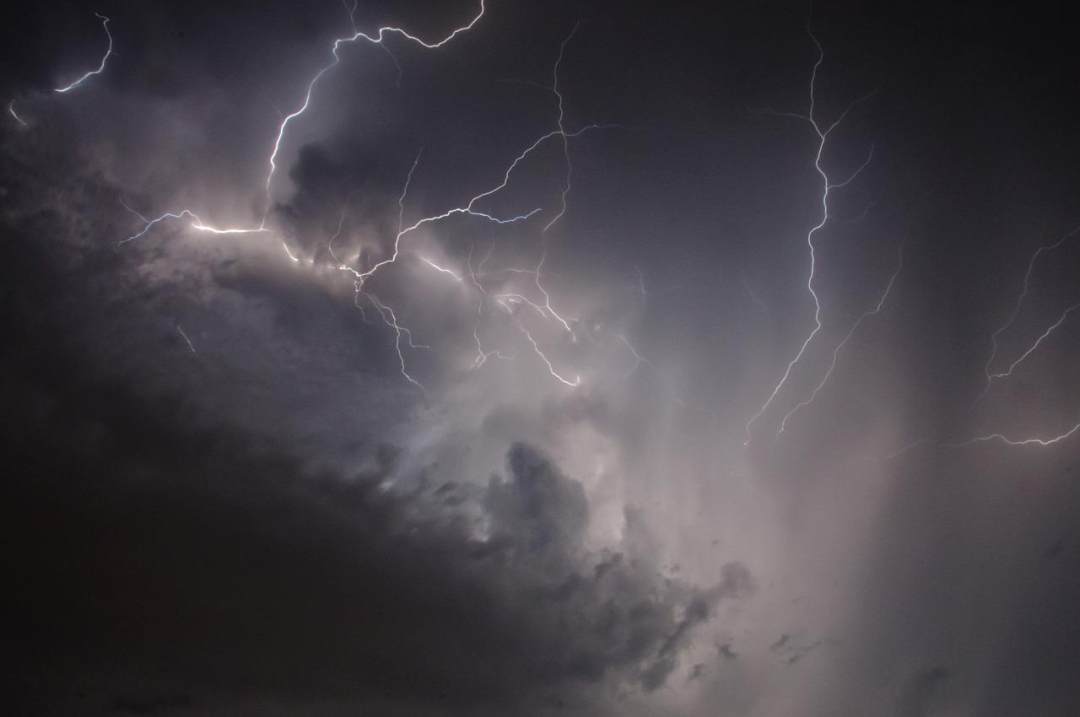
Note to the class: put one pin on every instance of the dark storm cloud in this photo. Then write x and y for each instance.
(254, 577)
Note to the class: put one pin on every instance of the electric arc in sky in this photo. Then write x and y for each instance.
(101, 66)
(822, 132)
(535, 298)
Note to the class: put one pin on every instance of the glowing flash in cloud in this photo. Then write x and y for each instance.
(470, 208)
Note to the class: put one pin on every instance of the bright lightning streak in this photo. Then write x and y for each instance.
(572, 383)
(13, 113)
(101, 68)
(399, 331)
(840, 346)
(288, 252)
(1043, 442)
(567, 179)
(196, 224)
(362, 276)
(376, 39)
(482, 356)
(827, 186)
(545, 310)
(187, 340)
(1053, 327)
(638, 358)
(1011, 318)
(442, 269)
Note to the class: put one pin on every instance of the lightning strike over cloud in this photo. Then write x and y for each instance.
(847, 337)
(572, 383)
(442, 269)
(187, 339)
(627, 443)
(822, 134)
(482, 356)
(104, 59)
(288, 252)
(1031, 349)
(1011, 318)
(196, 223)
(639, 360)
(1036, 441)
(14, 114)
(390, 318)
(376, 39)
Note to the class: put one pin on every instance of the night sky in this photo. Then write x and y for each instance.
(540, 358)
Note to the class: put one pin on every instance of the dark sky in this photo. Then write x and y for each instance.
(582, 445)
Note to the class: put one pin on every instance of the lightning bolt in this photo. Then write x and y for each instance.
(544, 309)
(638, 358)
(376, 39)
(822, 133)
(847, 337)
(992, 376)
(455, 211)
(187, 340)
(482, 356)
(101, 67)
(390, 318)
(472, 207)
(442, 269)
(1053, 327)
(567, 181)
(196, 224)
(13, 113)
(1011, 318)
(572, 383)
(356, 36)
(289, 253)
(1043, 442)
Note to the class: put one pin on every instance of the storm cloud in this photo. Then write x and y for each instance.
(489, 376)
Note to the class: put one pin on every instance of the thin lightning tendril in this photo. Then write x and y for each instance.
(1011, 318)
(442, 269)
(187, 340)
(544, 309)
(101, 67)
(1053, 327)
(1043, 442)
(376, 39)
(13, 113)
(827, 186)
(847, 337)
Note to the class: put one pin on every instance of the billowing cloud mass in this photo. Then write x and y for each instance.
(539, 358)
